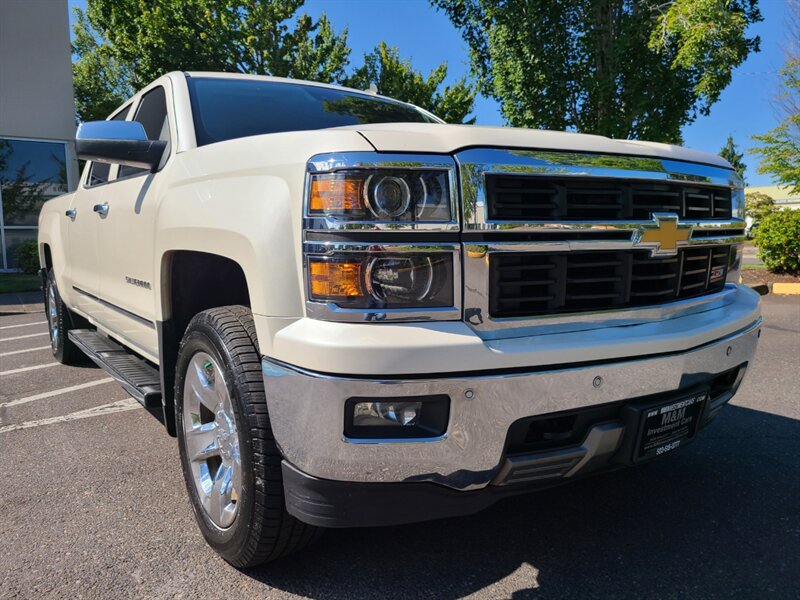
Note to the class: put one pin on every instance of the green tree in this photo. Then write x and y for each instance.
(121, 45)
(758, 205)
(780, 147)
(396, 78)
(621, 68)
(729, 153)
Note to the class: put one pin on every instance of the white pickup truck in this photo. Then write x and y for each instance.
(352, 314)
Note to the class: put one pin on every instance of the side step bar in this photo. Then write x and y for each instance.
(137, 377)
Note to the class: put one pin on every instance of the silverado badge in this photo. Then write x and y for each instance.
(664, 236)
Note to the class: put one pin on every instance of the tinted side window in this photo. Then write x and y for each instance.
(152, 114)
(98, 172)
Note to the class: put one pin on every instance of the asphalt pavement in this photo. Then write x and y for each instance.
(93, 505)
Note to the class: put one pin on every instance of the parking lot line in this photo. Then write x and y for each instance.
(23, 325)
(57, 392)
(33, 368)
(22, 337)
(105, 409)
(26, 350)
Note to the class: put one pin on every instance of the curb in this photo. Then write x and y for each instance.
(792, 289)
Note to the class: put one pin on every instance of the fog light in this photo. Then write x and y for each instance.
(386, 414)
(403, 418)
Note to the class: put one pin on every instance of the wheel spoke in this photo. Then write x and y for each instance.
(203, 386)
(201, 442)
(236, 481)
(220, 501)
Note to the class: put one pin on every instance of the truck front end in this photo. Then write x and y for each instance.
(492, 321)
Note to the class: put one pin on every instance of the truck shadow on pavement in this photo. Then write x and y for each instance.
(720, 519)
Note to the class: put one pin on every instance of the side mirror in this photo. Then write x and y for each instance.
(120, 142)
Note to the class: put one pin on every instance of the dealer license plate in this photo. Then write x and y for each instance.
(664, 428)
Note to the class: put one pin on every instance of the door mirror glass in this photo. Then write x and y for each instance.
(120, 142)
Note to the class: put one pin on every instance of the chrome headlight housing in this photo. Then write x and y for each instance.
(378, 282)
(373, 191)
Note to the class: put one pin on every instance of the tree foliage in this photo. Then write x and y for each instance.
(780, 147)
(396, 78)
(758, 205)
(121, 45)
(730, 153)
(621, 68)
(778, 241)
(124, 44)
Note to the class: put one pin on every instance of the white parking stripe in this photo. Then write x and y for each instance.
(105, 409)
(33, 368)
(22, 337)
(23, 325)
(58, 392)
(26, 350)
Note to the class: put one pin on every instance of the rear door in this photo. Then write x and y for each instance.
(126, 237)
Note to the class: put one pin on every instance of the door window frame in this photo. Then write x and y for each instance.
(133, 109)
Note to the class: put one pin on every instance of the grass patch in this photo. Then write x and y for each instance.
(19, 282)
(753, 267)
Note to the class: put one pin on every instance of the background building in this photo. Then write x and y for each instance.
(783, 199)
(37, 116)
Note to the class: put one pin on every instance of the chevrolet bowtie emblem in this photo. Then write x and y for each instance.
(664, 236)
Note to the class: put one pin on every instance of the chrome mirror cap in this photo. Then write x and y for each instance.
(111, 130)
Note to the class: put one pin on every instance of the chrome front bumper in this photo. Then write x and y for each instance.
(307, 411)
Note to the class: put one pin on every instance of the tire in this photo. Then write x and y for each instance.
(219, 358)
(60, 320)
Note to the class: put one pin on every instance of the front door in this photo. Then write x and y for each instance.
(129, 277)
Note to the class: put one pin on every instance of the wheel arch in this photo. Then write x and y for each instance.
(191, 281)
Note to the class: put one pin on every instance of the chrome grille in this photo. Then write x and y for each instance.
(543, 283)
(546, 199)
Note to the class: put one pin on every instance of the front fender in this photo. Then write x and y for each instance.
(247, 219)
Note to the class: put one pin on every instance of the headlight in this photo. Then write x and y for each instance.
(381, 196)
(382, 280)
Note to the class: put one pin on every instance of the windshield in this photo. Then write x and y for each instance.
(224, 109)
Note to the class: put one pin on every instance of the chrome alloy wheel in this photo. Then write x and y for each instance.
(52, 315)
(210, 439)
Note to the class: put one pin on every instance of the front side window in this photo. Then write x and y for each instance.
(152, 114)
(225, 109)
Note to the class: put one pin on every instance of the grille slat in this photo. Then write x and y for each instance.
(541, 198)
(581, 281)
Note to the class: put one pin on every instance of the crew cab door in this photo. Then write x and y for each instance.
(126, 237)
(83, 229)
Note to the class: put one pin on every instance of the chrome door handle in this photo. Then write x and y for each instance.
(101, 209)
(71, 213)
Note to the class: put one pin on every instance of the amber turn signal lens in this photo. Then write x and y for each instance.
(336, 194)
(335, 279)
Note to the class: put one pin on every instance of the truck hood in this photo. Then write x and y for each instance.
(447, 139)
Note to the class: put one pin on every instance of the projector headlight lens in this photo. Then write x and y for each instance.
(381, 196)
(382, 280)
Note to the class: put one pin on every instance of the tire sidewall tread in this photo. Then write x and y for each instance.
(262, 530)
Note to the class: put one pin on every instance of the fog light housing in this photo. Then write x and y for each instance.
(400, 418)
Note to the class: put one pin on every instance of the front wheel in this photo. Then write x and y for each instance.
(231, 463)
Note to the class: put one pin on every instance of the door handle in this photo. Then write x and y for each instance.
(101, 209)
(71, 213)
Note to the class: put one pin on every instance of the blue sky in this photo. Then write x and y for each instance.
(428, 38)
